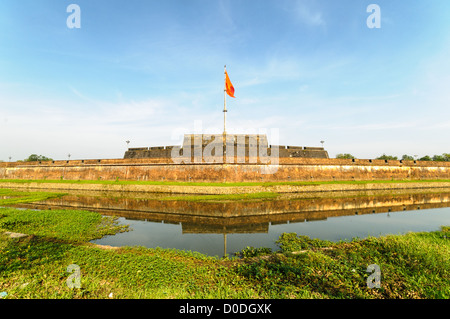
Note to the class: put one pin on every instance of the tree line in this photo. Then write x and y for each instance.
(445, 157)
(36, 158)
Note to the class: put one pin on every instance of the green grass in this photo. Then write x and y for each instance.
(415, 265)
(35, 267)
(10, 197)
(224, 184)
(67, 225)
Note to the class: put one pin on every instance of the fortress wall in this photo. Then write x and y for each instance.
(282, 151)
(212, 144)
(288, 169)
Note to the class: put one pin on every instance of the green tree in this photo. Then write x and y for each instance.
(387, 157)
(442, 158)
(346, 155)
(425, 158)
(407, 158)
(36, 158)
(438, 158)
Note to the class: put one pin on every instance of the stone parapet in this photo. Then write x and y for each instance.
(205, 147)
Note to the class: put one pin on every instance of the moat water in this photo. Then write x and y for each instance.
(223, 228)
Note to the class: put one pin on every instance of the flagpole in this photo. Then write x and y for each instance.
(225, 101)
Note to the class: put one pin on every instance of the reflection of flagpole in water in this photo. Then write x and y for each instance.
(224, 244)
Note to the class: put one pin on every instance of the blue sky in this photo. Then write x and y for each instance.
(149, 71)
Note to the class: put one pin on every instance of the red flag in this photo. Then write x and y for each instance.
(228, 86)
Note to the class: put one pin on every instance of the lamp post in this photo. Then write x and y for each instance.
(322, 143)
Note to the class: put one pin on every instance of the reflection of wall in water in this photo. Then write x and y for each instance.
(245, 216)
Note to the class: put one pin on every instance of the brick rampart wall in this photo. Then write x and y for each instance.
(288, 169)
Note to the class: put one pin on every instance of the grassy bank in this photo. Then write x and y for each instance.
(10, 197)
(221, 184)
(258, 190)
(415, 265)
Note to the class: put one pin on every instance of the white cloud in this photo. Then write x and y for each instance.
(94, 130)
(306, 14)
(274, 69)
